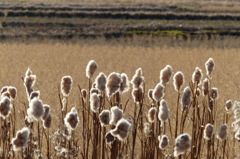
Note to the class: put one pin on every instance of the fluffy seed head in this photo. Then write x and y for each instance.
(198, 92)
(122, 129)
(237, 135)
(158, 92)
(66, 85)
(186, 98)
(228, 105)
(209, 66)
(124, 87)
(114, 81)
(109, 138)
(29, 81)
(165, 75)
(34, 94)
(147, 129)
(94, 102)
(71, 120)
(163, 142)
(138, 79)
(197, 76)
(5, 107)
(222, 132)
(84, 94)
(94, 90)
(208, 131)
(21, 140)
(47, 122)
(28, 72)
(12, 92)
(104, 117)
(91, 68)
(182, 144)
(205, 86)
(116, 115)
(178, 80)
(150, 94)
(152, 114)
(4, 89)
(35, 109)
(137, 94)
(46, 111)
(163, 114)
(101, 81)
(5, 94)
(213, 93)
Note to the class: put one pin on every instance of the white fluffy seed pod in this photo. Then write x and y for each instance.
(222, 132)
(186, 98)
(84, 94)
(5, 94)
(21, 140)
(46, 111)
(138, 79)
(228, 105)
(114, 81)
(237, 135)
(5, 107)
(29, 79)
(209, 66)
(137, 94)
(104, 117)
(116, 115)
(35, 109)
(109, 138)
(124, 86)
(150, 94)
(208, 131)
(205, 86)
(12, 92)
(4, 89)
(165, 75)
(163, 114)
(197, 76)
(47, 122)
(94, 90)
(122, 129)
(71, 120)
(182, 144)
(147, 129)
(213, 93)
(66, 85)
(158, 92)
(91, 68)
(101, 81)
(28, 72)
(94, 103)
(178, 80)
(152, 114)
(34, 94)
(163, 142)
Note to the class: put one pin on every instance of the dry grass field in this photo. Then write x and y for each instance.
(50, 62)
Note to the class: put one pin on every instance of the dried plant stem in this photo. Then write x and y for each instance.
(39, 136)
(176, 125)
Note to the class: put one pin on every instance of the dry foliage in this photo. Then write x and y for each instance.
(76, 130)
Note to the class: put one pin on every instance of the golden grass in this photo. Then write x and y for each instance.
(50, 62)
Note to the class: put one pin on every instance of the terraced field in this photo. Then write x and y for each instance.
(115, 20)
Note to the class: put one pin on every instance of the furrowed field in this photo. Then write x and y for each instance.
(50, 62)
